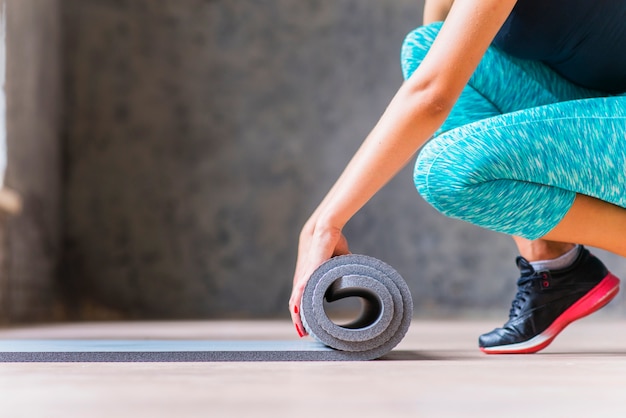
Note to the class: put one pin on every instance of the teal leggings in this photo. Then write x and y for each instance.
(519, 144)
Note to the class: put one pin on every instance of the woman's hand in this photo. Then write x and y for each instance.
(318, 243)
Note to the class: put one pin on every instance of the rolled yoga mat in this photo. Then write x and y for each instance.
(382, 323)
(385, 316)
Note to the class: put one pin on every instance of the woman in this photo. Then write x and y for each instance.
(524, 101)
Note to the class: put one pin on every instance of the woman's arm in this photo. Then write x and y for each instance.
(419, 107)
(436, 10)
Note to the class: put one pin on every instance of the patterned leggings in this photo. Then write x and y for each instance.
(519, 144)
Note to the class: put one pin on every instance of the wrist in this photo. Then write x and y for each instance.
(328, 227)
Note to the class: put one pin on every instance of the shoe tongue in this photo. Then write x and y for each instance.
(524, 266)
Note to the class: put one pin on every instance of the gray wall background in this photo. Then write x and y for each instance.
(30, 246)
(198, 135)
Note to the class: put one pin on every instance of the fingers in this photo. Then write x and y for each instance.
(294, 310)
(295, 302)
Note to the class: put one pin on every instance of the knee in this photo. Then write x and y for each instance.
(446, 173)
(415, 46)
(466, 182)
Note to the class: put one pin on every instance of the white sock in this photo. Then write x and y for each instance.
(563, 261)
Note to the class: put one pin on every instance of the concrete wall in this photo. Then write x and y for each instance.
(30, 250)
(201, 134)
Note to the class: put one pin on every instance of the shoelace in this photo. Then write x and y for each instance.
(524, 287)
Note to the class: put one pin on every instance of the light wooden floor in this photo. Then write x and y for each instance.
(583, 374)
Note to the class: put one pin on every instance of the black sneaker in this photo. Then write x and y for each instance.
(547, 301)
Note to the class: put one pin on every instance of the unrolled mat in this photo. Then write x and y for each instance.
(384, 319)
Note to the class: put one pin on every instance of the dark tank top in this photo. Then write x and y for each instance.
(582, 40)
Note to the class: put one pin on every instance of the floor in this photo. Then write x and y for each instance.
(435, 372)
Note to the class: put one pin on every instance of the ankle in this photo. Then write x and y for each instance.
(557, 263)
(541, 250)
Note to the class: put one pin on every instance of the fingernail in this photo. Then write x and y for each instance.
(295, 310)
(300, 333)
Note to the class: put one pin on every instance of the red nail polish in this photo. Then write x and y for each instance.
(295, 310)
(300, 333)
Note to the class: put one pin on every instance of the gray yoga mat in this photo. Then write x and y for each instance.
(383, 322)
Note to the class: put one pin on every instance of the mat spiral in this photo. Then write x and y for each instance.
(387, 305)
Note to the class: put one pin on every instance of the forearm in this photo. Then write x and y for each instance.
(410, 119)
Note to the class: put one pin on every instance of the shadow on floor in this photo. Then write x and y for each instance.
(412, 355)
